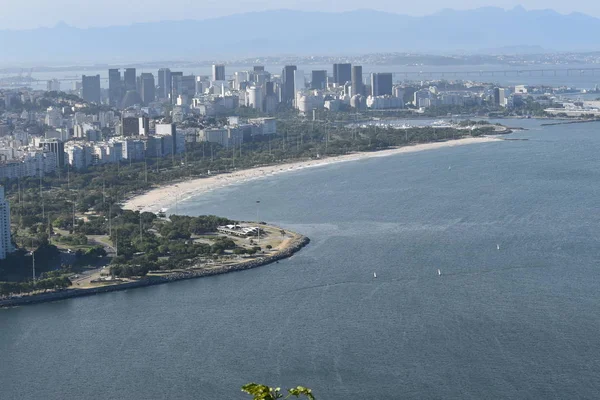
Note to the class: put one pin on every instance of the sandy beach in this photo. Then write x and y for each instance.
(164, 197)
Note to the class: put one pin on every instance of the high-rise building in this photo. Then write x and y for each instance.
(342, 73)
(259, 68)
(147, 88)
(115, 87)
(55, 146)
(318, 79)
(255, 99)
(299, 82)
(218, 72)
(499, 97)
(129, 79)
(184, 86)
(130, 126)
(164, 83)
(287, 90)
(53, 85)
(90, 88)
(175, 79)
(5, 242)
(358, 85)
(381, 84)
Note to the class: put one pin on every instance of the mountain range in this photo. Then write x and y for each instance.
(285, 32)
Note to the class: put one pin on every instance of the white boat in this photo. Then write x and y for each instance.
(498, 246)
(374, 275)
(439, 272)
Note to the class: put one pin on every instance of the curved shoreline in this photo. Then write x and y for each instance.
(163, 197)
(296, 245)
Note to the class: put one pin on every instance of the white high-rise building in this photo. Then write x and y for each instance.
(254, 99)
(5, 242)
(299, 82)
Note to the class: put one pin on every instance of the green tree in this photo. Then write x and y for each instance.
(263, 392)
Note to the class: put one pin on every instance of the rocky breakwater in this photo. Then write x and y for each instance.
(294, 246)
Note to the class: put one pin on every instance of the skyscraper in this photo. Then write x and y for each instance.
(218, 71)
(381, 84)
(129, 79)
(499, 96)
(164, 83)
(342, 73)
(115, 87)
(147, 88)
(287, 90)
(259, 68)
(90, 88)
(5, 242)
(318, 79)
(175, 82)
(358, 85)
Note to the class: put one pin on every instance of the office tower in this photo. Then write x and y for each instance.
(269, 88)
(175, 82)
(130, 126)
(147, 88)
(164, 83)
(318, 80)
(381, 84)
(287, 90)
(129, 79)
(144, 126)
(218, 71)
(499, 97)
(255, 98)
(299, 82)
(90, 88)
(55, 146)
(5, 242)
(342, 73)
(358, 85)
(259, 68)
(115, 87)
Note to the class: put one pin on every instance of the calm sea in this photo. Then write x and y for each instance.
(519, 322)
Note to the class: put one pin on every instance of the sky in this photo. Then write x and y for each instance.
(25, 14)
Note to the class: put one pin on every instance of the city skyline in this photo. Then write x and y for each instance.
(16, 16)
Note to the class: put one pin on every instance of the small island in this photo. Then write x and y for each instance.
(149, 250)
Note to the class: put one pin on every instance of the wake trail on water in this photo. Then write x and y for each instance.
(382, 281)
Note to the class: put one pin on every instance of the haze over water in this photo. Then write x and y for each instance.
(519, 322)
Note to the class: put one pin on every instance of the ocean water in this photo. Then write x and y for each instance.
(520, 322)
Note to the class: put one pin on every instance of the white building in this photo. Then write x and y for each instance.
(254, 99)
(53, 117)
(266, 126)
(5, 242)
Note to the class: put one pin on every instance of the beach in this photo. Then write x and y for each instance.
(164, 197)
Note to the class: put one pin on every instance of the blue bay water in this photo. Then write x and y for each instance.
(519, 322)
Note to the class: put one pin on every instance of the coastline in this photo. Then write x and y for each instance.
(163, 197)
(293, 247)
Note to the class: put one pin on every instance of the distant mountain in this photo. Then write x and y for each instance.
(283, 32)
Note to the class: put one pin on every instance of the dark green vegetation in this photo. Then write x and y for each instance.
(263, 392)
(146, 243)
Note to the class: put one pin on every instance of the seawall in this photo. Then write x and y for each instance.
(296, 245)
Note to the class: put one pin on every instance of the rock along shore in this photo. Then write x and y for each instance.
(296, 245)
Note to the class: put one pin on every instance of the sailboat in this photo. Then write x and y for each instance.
(374, 275)
(439, 272)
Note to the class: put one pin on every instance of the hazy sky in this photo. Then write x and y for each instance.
(19, 14)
